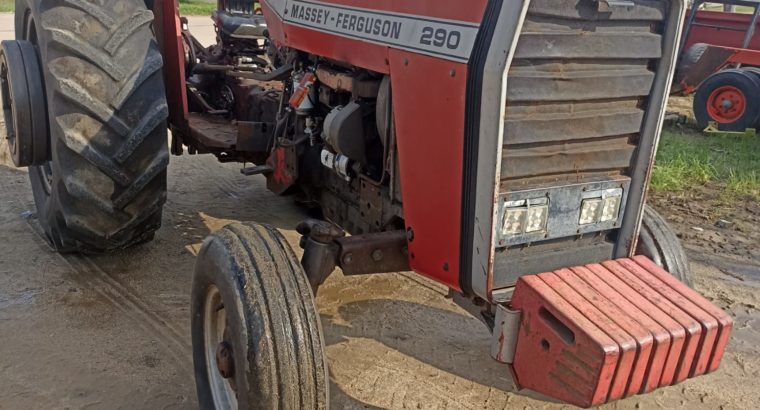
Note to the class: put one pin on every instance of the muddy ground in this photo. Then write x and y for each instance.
(113, 331)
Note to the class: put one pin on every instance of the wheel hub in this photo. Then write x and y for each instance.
(225, 362)
(23, 103)
(726, 104)
(219, 357)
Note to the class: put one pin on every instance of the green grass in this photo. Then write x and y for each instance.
(195, 7)
(186, 7)
(688, 158)
(719, 7)
(7, 5)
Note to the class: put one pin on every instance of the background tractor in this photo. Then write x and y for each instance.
(501, 148)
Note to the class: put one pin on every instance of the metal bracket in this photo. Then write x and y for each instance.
(505, 332)
(326, 247)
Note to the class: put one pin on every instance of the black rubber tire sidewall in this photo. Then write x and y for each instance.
(746, 82)
(216, 267)
(659, 242)
(689, 58)
(225, 263)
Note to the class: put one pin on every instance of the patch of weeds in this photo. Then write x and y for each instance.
(686, 158)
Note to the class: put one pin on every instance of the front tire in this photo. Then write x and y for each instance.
(659, 242)
(104, 185)
(257, 339)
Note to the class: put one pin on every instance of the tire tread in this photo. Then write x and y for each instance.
(119, 86)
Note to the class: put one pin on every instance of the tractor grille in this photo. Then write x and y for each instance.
(577, 90)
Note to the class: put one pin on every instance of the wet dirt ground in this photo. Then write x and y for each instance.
(112, 331)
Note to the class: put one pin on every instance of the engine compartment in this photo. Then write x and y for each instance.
(319, 130)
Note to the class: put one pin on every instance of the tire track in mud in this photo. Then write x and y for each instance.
(86, 273)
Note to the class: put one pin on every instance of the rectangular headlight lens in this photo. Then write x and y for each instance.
(514, 221)
(610, 208)
(537, 217)
(590, 211)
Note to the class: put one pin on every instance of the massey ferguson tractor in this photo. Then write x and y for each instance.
(501, 148)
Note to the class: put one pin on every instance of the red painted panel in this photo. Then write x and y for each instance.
(724, 321)
(559, 351)
(662, 339)
(626, 345)
(692, 326)
(429, 106)
(359, 53)
(709, 326)
(471, 11)
(641, 336)
(577, 326)
(723, 37)
(170, 40)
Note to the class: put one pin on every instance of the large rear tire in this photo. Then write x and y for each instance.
(257, 339)
(105, 183)
(659, 242)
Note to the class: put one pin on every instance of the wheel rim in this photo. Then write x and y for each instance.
(726, 104)
(215, 334)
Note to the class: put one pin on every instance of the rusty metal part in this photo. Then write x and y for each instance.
(320, 252)
(225, 361)
(712, 60)
(373, 253)
(326, 247)
(212, 132)
(279, 74)
(320, 231)
(255, 136)
(348, 82)
(594, 333)
(505, 334)
(284, 164)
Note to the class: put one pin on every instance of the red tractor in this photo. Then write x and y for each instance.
(501, 148)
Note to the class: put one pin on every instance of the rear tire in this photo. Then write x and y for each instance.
(659, 242)
(251, 298)
(105, 184)
(729, 98)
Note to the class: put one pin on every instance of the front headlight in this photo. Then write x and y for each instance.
(525, 216)
(610, 208)
(602, 208)
(514, 220)
(537, 217)
(590, 211)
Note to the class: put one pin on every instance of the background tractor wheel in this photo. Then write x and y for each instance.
(690, 57)
(658, 242)
(257, 339)
(729, 98)
(103, 185)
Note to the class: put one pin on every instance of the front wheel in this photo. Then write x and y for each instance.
(257, 339)
(659, 242)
